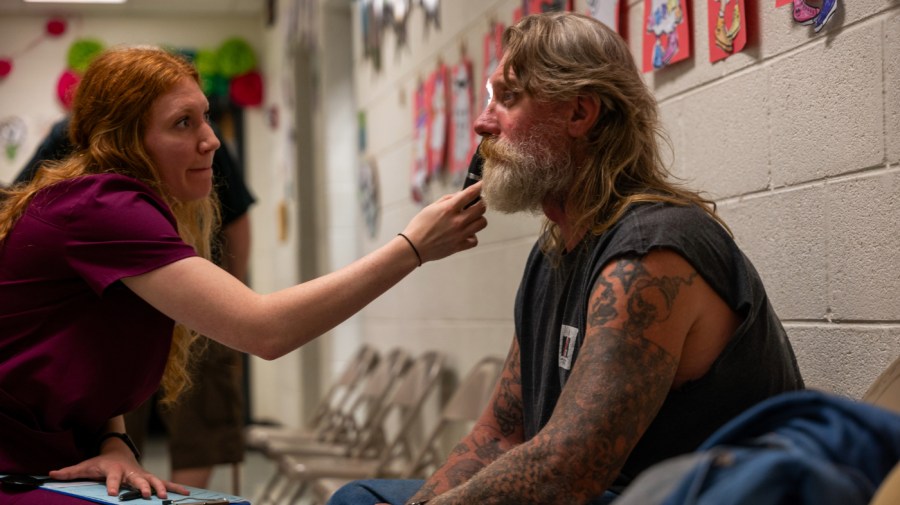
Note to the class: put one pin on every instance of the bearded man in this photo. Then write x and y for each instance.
(640, 325)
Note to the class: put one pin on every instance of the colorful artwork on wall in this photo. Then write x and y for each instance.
(369, 197)
(437, 96)
(462, 142)
(812, 13)
(727, 23)
(432, 12)
(605, 11)
(12, 135)
(667, 35)
(539, 6)
(419, 175)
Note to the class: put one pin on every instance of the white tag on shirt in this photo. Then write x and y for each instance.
(567, 336)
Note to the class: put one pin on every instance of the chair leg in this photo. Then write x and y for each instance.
(298, 493)
(236, 479)
(269, 489)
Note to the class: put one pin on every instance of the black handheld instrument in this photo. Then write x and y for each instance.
(474, 174)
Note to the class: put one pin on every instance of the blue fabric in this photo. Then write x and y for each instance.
(398, 492)
(799, 448)
(370, 492)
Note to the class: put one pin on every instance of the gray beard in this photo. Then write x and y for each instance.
(521, 177)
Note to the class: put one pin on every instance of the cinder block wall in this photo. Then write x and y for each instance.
(797, 139)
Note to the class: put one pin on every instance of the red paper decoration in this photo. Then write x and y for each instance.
(5, 67)
(247, 90)
(56, 27)
(65, 88)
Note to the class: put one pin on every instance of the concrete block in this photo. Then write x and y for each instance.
(843, 360)
(785, 236)
(726, 144)
(827, 108)
(891, 88)
(864, 247)
(471, 285)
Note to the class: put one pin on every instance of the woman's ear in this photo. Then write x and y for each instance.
(585, 112)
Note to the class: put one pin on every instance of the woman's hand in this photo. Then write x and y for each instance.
(119, 469)
(446, 227)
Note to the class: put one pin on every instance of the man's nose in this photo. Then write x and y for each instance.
(486, 123)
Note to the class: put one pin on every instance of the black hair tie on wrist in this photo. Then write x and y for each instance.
(413, 248)
(124, 438)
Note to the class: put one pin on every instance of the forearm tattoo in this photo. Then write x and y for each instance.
(616, 388)
(508, 407)
(486, 443)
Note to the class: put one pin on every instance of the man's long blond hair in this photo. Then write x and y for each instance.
(560, 56)
(109, 119)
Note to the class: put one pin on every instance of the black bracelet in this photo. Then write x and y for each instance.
(124, 438)
(413, 248)
(420, 502)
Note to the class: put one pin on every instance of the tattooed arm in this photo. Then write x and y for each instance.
(498, 429)
(640, 314)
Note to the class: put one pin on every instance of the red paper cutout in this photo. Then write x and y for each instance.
(247, 90)
(56, 27)
(419, 175)
(462, 140)
(667, 36)
(437, 103)
(727, 28)
(65, 87)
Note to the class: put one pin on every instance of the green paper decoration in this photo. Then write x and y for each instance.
(82, 52)
(207, 63)
(215, 85)
(236, 57)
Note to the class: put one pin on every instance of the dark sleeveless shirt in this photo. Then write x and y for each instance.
(551, 310)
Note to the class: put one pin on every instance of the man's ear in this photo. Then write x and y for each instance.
(585, 112)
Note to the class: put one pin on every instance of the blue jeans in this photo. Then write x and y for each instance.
(398, 492)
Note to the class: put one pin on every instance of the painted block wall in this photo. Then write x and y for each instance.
(797, 139)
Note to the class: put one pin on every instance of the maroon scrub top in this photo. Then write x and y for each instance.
(76, 346)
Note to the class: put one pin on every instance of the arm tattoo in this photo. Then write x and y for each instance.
(627, 271)
(488, 440)
(619, 382)
(508, 407)
(652, 301)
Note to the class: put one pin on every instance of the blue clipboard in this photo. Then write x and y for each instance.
(96, 492)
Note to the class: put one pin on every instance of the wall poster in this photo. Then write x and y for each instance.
(667, 37)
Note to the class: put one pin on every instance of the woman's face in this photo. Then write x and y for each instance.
(181, 142)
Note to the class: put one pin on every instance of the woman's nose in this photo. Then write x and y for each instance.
(210, 142)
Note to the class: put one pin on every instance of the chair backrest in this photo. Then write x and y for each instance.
(885, 391)
(360, 418)
(339, 393)
(391, 438)
(469, 399)
(328, 416)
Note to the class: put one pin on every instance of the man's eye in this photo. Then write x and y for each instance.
(508, 97)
